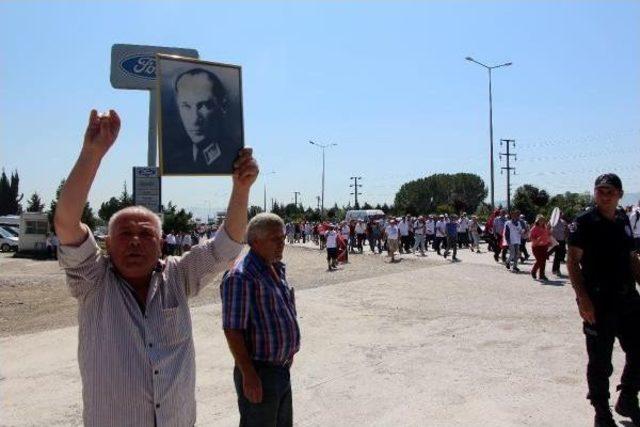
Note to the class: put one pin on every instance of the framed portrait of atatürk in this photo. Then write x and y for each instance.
(200, 122)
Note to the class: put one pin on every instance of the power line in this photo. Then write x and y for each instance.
(355, 186)
(508, 168)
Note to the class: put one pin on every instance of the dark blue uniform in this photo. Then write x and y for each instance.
(609, 282)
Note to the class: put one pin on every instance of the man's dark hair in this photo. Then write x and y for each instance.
(219, 92)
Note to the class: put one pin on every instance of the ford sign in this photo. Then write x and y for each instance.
(134, 66)
(141, 66)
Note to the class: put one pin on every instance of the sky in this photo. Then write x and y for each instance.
(385, 81)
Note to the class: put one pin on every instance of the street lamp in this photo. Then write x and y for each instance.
(322, 194)
(489, 68)
(265, 189)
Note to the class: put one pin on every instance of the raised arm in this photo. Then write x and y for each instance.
(244, 175)
(101, 133)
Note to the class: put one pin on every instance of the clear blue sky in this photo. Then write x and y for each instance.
(386, 81)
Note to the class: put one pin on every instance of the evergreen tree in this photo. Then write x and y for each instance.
(5, 191)
(35, 204)
(10, 196)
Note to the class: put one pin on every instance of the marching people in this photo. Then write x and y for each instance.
(452, 237)
(360, 230)
(498, 232)
(559, 233)
(430, 231)
(524, 254)
(540, 236)
(259, 319)
(135, 344)
(403, 227)
(513, 230)
(419, 232)
(463, 230)
(331, 239)
(634, 219)
(441, 235)
(474, 233)
(392, 234)
(604, 269)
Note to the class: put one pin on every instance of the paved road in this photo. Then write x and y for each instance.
(446, 344)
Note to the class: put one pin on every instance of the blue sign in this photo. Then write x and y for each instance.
(142, 66)
(134, 66)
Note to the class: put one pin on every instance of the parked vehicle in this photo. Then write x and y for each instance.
(366, 215)
(8, 242)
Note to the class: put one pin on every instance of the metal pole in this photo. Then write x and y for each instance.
(153, 137)
(322, 203)
(265, 198)
(491, 142)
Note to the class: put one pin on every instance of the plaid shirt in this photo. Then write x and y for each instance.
(254, 301)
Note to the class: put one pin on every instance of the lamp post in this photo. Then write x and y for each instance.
(489, 68)
(322, 194)
(265, 189)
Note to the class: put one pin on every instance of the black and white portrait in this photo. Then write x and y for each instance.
(200, 116)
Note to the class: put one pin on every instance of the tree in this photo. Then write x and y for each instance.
(176, 220)
(253, 211)
(87, 212)
(10, 196)
(461, 191)
(35, 204)
(113, 205)
(367, 206)
(570, 204)
(530, 200)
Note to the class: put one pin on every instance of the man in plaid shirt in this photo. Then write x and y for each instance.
(259, 321)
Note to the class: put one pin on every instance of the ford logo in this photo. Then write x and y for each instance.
(145, 172)
(142, 66)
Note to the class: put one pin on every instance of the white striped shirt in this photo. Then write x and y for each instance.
(138, 369)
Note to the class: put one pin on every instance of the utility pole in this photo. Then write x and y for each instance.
(318, 199)
(508, 168)
(295, 195)
(355, 186)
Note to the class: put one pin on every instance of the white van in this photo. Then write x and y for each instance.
(34, 227)
(366, 215)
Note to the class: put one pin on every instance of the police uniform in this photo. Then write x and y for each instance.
(609, 283)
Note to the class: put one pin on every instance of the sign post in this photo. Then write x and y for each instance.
(147, 188)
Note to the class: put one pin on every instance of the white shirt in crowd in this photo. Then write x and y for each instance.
(441, 229)
(431, 226)
(360, 228)
(186, 240)
(345, 230)
(392, 232)
(171, 239)
(515, 231)
(331, 237)
(419, 227)
(403, 226)
(463, 225)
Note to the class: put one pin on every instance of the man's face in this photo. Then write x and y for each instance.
(607, 197)
(134, 245)
(198, 108)
(270, 245)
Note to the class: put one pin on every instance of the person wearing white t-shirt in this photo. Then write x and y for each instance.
(463, 230)
(513, 230)
(441, 234)
(430, 233)
(404, 228)
(634, 219)
(331, 238)
(170, 239)
(360, 230)
(393, 233)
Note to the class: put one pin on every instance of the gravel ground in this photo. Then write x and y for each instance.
(34, 297)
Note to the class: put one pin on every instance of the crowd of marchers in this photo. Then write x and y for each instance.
(507, 235)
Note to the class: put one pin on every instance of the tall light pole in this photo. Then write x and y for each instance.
(322, 194)
(489, 68)
(265, 188)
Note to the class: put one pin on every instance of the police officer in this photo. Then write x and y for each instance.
(603, 269)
